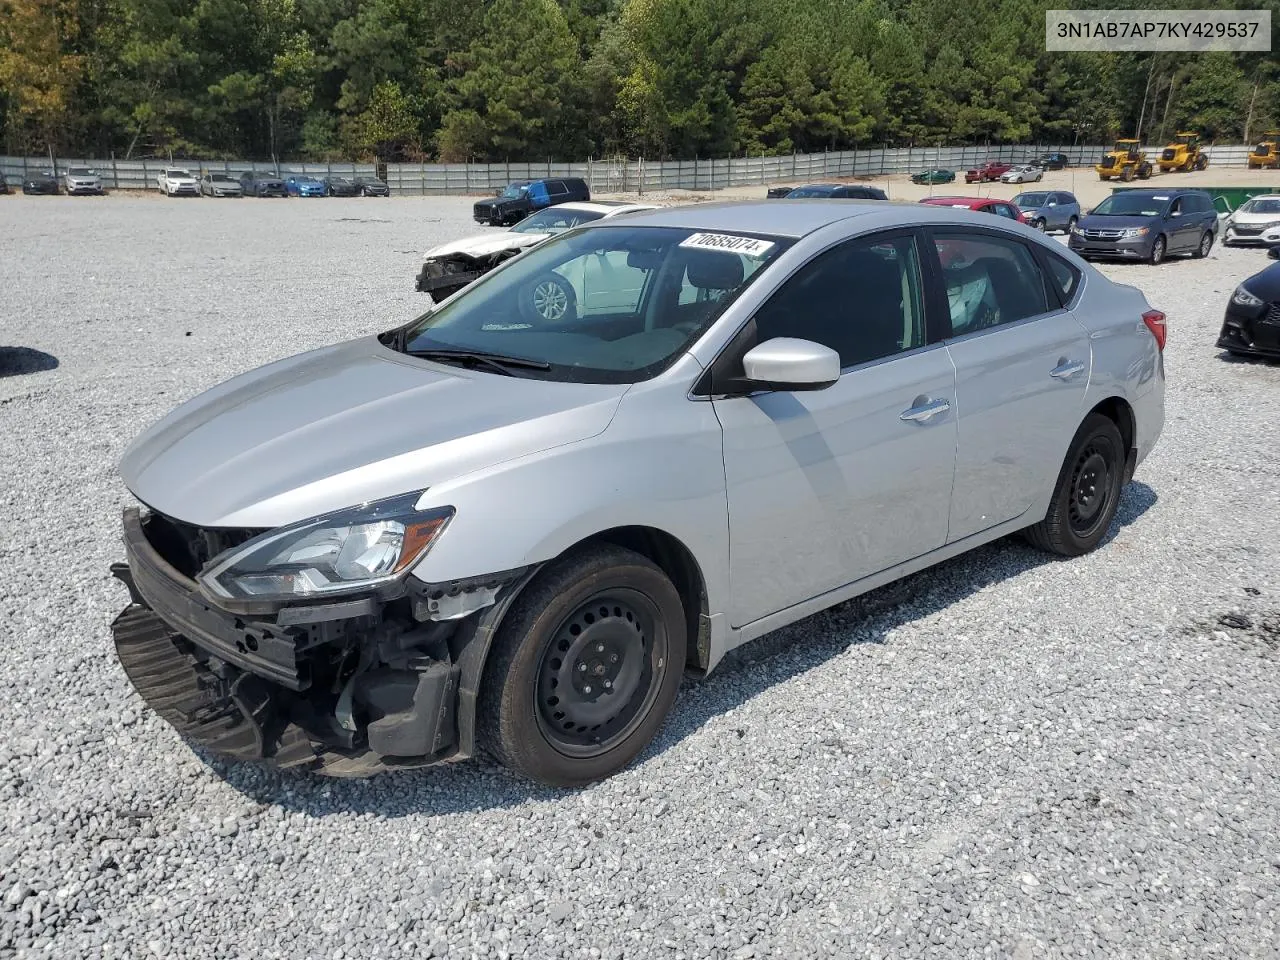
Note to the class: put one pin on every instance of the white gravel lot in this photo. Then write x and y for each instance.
(1006, 756)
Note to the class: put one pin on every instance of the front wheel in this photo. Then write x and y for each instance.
(1157, 252)
(1038, 223)
(1206, 244)
(1087, 493)
(584, 668)
(550, 298)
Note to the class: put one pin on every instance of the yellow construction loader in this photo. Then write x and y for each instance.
(1183, 154)
(1266, 155)
(1125, 161)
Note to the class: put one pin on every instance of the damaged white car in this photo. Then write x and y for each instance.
(448, 268)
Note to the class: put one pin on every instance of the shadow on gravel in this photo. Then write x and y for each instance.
(19, 360)
(1248, 360)
(744, 673)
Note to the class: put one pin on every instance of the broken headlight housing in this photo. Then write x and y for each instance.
(351, 550)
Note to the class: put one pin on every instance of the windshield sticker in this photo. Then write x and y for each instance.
(747, 246)
(1158, 197)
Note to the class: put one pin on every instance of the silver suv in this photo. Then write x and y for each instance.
(82, 180)
(508, 528)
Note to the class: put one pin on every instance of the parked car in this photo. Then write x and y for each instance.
(1248, 222)
(220, 185)
(303, 185)
(341, 187)
(835, 191)
(372, 187)
(1252, 323)
(449, 267)
(1271, 237)
(988, 171)
(262, 185)
(1023, 173)
(1052, 161)
(177, 182)
(523, 197)
(934, 176)
(1049, 209)
(44, 182)
(488, 529)
(1001, 208)
(81, 181)
(1148, 225)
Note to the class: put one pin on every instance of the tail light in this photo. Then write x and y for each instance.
(1154, 320)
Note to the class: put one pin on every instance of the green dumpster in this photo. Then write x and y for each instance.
(1225, 199)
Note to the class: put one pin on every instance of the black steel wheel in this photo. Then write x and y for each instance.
(1087, 493)
(584, 667)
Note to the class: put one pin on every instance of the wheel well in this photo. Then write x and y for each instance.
(1118, 411)
(675, 560)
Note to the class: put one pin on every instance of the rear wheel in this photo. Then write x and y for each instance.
(1206, 244)
(1144, 172)
(1156, 256)
(1087, 493)
(584, 668)
(550, 298)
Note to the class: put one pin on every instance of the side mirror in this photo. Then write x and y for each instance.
(785, 363)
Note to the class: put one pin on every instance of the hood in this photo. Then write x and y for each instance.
(1091, 222)
(1255, 219)
(344, 425)
(486, 244)
(1266, 284)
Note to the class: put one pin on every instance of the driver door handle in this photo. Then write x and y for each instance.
(924, 411)
(1065, 371)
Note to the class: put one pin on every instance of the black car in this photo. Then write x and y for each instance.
(372, 187)
(262, 185)
(831, 191)
(45, 182)
(523, 197)
(1052, 161)
(1147, 225)
(1252, 323)
(340, 187)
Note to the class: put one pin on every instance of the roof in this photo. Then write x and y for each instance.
(968, 201)
(606, 207)
(788, 218)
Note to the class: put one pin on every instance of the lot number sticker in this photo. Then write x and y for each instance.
(747, 246)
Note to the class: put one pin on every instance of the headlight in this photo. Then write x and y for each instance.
(1132, 233)
(337, 553)
(1244, 298)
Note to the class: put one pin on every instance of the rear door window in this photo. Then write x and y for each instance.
(990, 281)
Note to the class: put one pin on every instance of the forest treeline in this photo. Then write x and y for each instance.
(536, 79)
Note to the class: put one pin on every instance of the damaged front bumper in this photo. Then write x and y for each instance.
(346, 688)
(446, 275)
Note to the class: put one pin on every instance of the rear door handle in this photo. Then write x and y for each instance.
(923, 411)
(1065, 371)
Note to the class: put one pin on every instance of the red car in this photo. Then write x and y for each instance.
(1001, 208)
(988, 171)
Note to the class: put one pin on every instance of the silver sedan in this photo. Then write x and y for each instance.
(497, 528)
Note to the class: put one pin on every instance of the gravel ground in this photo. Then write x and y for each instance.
(1005, 756)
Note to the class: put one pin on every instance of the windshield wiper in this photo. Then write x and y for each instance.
(493, 361)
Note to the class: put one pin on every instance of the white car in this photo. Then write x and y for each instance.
(1254, 221)
(449, 267)
(1026, 173)
(176, 182)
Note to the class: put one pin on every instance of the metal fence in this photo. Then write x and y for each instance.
(614, 175)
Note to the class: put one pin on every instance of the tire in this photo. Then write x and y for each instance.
(525, 718)
(1038, 224)
(1127, 174)
(1087, 493)
(550, 298)
(1206, 244)
(442, 293)
(1158, 247)
(1202, 162)
(1144, 172)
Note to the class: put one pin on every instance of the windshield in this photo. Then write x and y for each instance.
(1186, 138)
(606, 305)
(1026, 200)
(221, 178)
(1124, 146)
(555, 220)
(1130, 205)
(175, 174)
(513, 191)
(799, 193)
(1262, 205)
(81, 172)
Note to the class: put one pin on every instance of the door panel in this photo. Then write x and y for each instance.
(829, 486)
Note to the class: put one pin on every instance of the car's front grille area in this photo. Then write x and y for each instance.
(1273, 313)
(1247, 230)
(188, 548)
(1095, 234)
